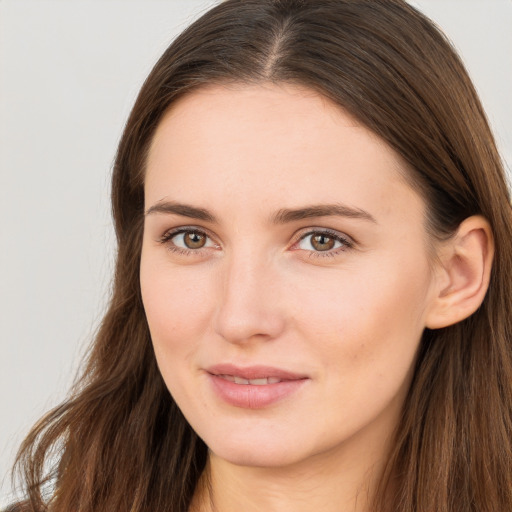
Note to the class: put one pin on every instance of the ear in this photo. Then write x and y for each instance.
(463, 273)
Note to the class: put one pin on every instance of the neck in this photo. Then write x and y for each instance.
(321, 483)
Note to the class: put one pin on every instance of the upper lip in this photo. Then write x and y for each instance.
(254, 372)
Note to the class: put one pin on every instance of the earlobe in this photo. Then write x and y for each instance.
(464, 274)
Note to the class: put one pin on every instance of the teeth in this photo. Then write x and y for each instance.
(258, 382)
(253, 382)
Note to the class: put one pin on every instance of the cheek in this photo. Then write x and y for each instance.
(367, 324)
(364, 334)
(176, 305)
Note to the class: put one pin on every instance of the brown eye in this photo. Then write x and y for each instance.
(194, 240)
(317, 242)
(187, 240)
(322, 242)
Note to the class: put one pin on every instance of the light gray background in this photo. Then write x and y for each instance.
(69, 73)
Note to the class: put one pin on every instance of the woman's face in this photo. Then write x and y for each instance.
(285, 274)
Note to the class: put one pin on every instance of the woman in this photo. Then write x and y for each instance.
(310, 308)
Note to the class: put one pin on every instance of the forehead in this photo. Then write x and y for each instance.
(266, 143)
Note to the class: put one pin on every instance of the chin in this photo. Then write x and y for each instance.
(258, 452)
(256, 457)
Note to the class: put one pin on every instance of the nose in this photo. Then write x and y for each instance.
(249, 303)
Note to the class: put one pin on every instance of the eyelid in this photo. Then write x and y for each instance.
(346, 241)
(171, 233)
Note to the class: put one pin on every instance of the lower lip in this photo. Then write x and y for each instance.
(249, 396)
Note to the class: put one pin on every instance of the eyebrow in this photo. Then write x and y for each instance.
(184, 210)
(286, 215)
(282, 216)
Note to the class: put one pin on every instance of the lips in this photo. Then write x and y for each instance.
(256, 372)
(253, 387)
(253, 382)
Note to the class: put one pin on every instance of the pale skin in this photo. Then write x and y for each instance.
(339, 296)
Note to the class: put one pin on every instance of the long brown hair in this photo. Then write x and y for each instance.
(120, 442)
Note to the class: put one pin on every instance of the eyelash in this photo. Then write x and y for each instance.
(169, 235)
(346, 242)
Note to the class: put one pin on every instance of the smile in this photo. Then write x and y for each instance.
(253, 387)
(253, 382)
